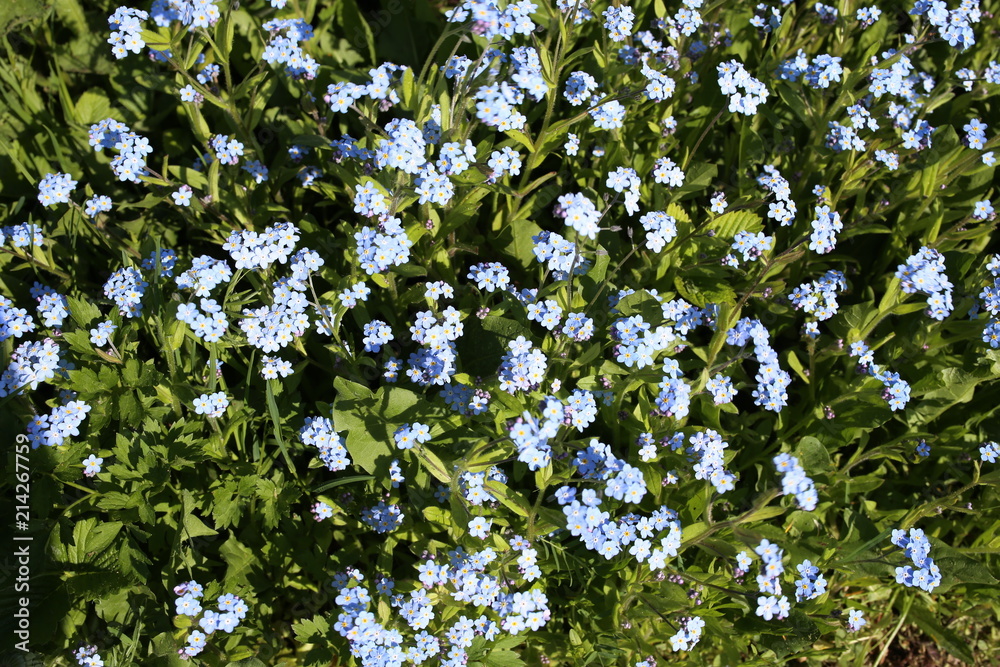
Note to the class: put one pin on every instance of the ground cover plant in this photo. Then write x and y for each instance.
(500, 333)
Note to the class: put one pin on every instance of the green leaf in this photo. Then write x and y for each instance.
(155, 40)
(239, 560)
(813, 455)
(485, 342)
(224, 35)
(727, 224)
(195, 527)
(82, 312)
(320, 488)
(641, 303)
(957, 569)
(408, 87)
(945, 638)
(272, 409)
(92, 106)
(91, 539)
(521, 138)
(354, 24)
(503, 658)
(310, 630)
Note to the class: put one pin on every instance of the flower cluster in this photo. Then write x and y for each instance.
(721, 388)
(924, 272)
(771, 379)
(227, 151)
(126, 28)
(505, 161)
(22, 235)
(531, 434)
(580, 86)
(548, 313)
(435, 362)
(55, 189)
(522, 367)
(350, 296)
(433, 187)
(408, 435)
(559, 255)
(205, 274)
(954, 26)
(826, 225)
(193, 13)
(624, 180)
(751, 246)
(618, 22)
(578, 326)
(595, 527)
(811, 585)
(320, 433)
(709, 449)
(208, 322)
(54, 428)
(130, 163)
(377, 333)
(473, 485)
(87, 656)
(97, 204)
(489, 276)
(609, 116)
(771, 604)
(897, 390)
(794, 481)
(273, 368)
(637, 343)
(462, 577)
(660, 86)
(31, 362)
(660, 228)
(213, 405)
(990, 297)
(819, 297)
(14, 322)
(927, 575)
(733, 78)
(284, 49)
(126, 288)
(867, 16)
(53, 308)
(386, 246)
(382, 518)
(465, 400)
(232, 610)
(782, 209)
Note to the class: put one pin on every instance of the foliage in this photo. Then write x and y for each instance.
(493, 335)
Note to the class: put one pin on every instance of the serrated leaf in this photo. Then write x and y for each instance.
(82, 312)
(728, 224)
(503, 658)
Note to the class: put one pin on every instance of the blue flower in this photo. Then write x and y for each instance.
(92, 465)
